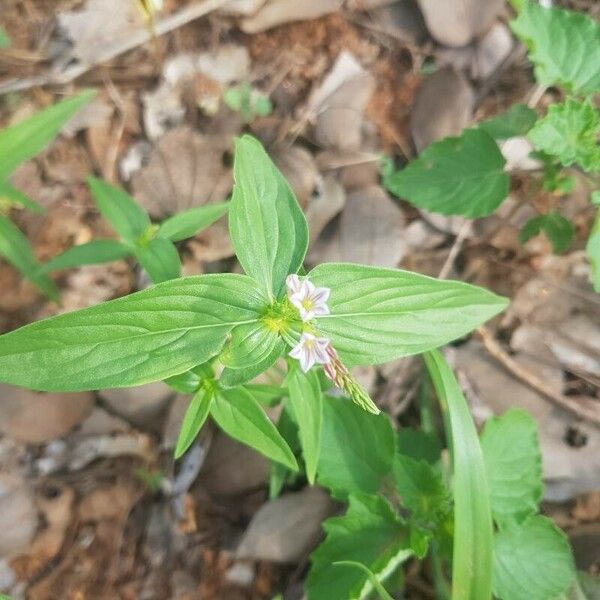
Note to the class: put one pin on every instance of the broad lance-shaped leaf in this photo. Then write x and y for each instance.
(195, 416)
(532, 561)
(570, 132)
(369, 533)
(129, 219)
(14, 197)
(91, 253)
(378, 314)
(239, 415)
(189, 222)
(455, 176)
(563, 45)
(357, 449)
(15, 248)
(160, 259)
(20, 142)
(513, 464)
(150, 335)
(306, 401)
(268, 230)
(473, 541)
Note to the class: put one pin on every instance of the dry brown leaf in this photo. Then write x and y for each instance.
(18, 515)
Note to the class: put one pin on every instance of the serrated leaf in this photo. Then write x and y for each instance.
(147, 336)
(381, 591)
(21, 142)
(239, 415)
(129, 219)
(369, 533)
(15, 249)
(570, 132)
(268, 230)
(91, 253)
(455, 176)
(357, 449)
(378, 315)
(593, 251)
(563, 45)
(513, 465)
(557, 229)
(418, 444)
(422, 490)
(188, 223)
(516, 121)
(532, 561)
(306, 402)
(195, 417)
(14, 197)
(472, 558)
(160, 259)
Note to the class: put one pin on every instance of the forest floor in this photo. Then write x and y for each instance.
(92, 504)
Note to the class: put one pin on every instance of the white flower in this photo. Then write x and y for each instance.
(310, 350)
(310, 301)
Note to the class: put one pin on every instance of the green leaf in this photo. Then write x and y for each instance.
(14, 197)
(195, 416)
(513, 464)
(95, 252)
(147, 336)
(378, 315)
(422, 490)
(288, 428)
(239, 415)
(473, 540)
(128, 218)
(160, 259)
(516, 121)
(369, 533)
(563, 45)
(532, 561)
(306, 401)
(4, 44)
(593, 252)
(265, 394)
(557, 229)
(357, 449)
(268, 230)
(188, 223)
(570, 132)
(15, 249)
(455, 176)
(374, 581)
(418, 444)
(21, 142)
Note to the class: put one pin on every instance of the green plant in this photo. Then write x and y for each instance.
(152, 245)
(249, 102)
(210, 336)
(466, 175)
(18, 144)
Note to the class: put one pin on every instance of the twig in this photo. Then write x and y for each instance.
(456, 248)
(589, 411)
(137, 38)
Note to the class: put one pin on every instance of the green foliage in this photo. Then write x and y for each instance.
(371, 534)
(513, 465)
(473, 535)
(189, 222)
(306, 403)
(378, 314)
(21, 142)
(147, 336)
(418, 445)
(455, 176)
(97, 251)
(532, 561)
(563, 45)
(248, 102)
(556, 228)
(516, 121)
(12, 197)
(357, 449)
(268, 230)
(159, 258)
(239, 415)
(570, 132)
(195, 416)
(593, 252)
(15, 249)
(4, 44)
(381, 591)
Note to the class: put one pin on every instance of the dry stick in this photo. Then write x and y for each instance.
(137, 38)
(586, 410)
